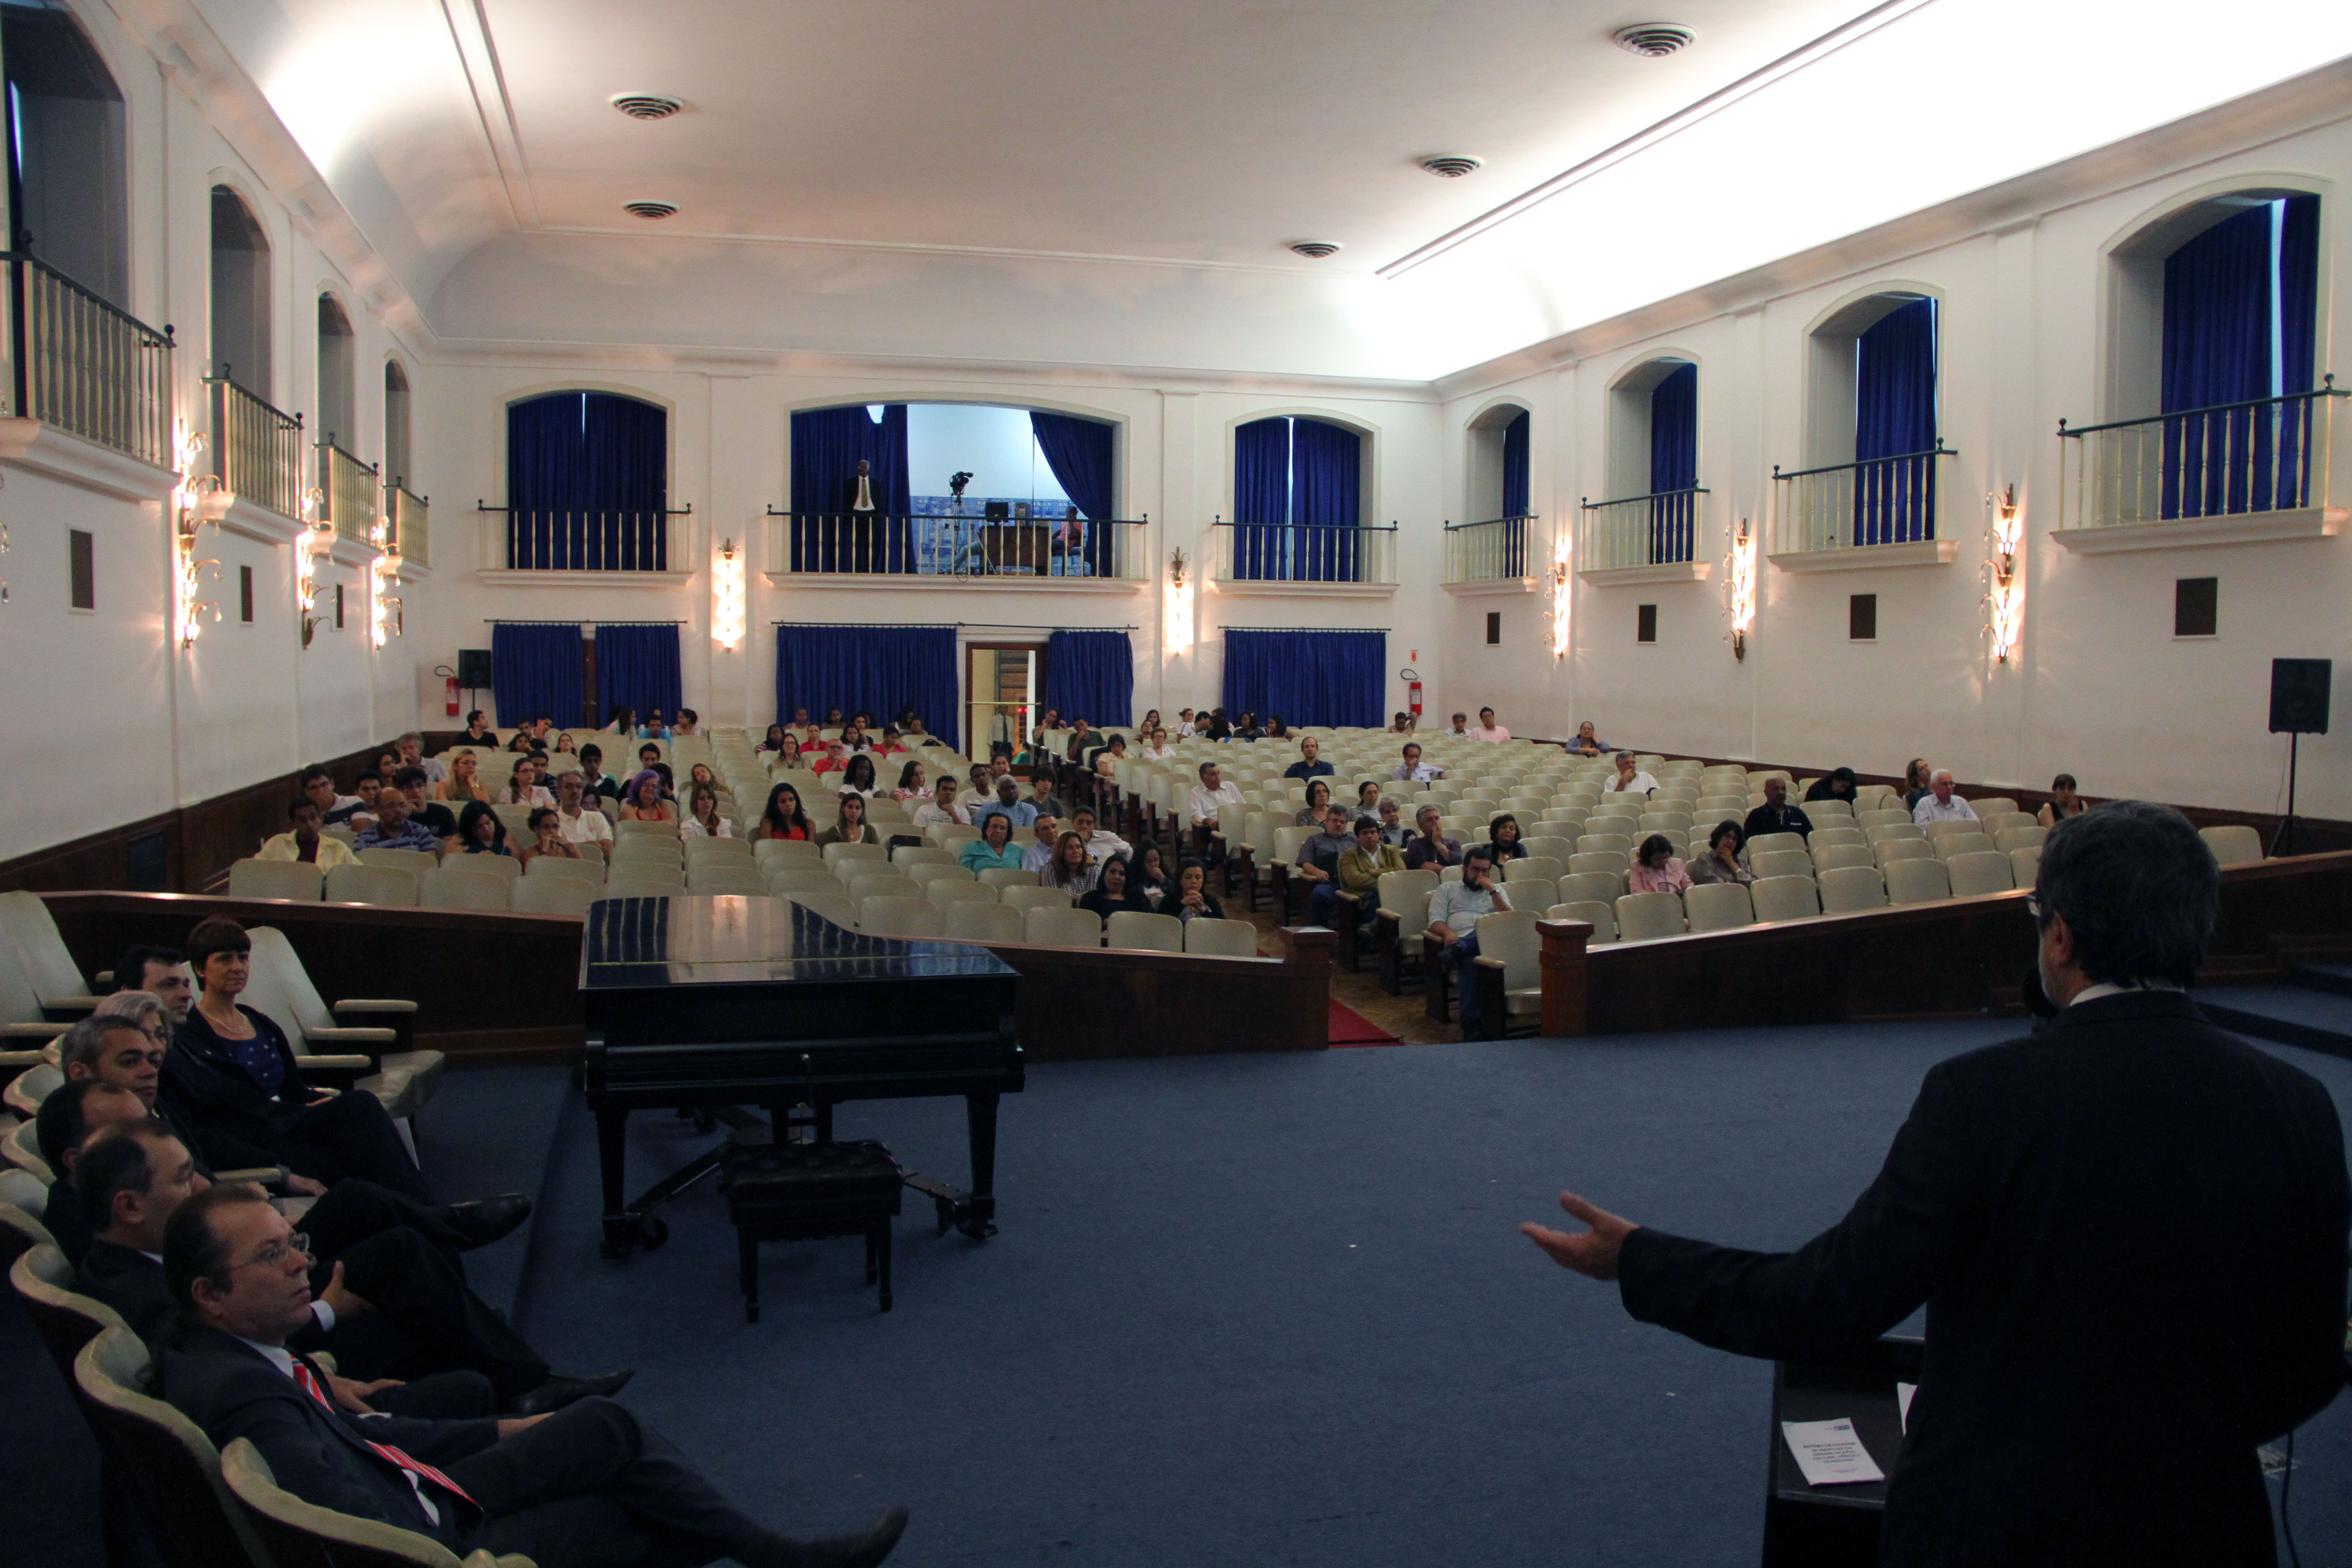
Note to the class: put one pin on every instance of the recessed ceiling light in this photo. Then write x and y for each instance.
(650, 211)
(1314, 250)
(646, 105)
(1450, 165)
(1655, 39)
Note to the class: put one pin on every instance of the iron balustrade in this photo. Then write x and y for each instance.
(349, 487)
(1657, 530)
(256, 450)
(1873, 501)
(1490, 552)
(2232, 459)
(829, 543)
(407, 516)
(1303, 552)
(81, 364)
(580, 539)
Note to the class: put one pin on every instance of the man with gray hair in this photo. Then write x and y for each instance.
(1939, 804)
(2127, 1230)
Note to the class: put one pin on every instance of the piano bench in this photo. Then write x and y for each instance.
(809, 1192)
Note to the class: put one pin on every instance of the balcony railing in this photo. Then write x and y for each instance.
(1878, 500)
(579, 539)
(824, 543)
(1491, 551)
(408, 516)
(1303, 552)
(81, 364)
(351, 492)
(1657, 529)
(256, 450)
(2271, 454)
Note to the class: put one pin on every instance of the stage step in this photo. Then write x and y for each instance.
(2314, 1017)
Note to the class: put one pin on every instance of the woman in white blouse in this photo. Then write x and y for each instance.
(702, 819)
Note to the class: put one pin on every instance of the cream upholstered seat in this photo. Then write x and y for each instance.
(1938, 832)
(1892, 852)
(1766, 843)
(1051, 927)
(1000, 876)
(945, 892)
(417, 860)
(1529, 868)
(1835, 856)
(383, 884)
(1783, 898)
(968, 920)
(1509, 942)
(837, 855)
(2232, 846)
(552, 896)
(22, 1149)
(1896, 818)
(1983, 871)
(1716, 906)
(1532, 892)
(1850, 888)
(2025, 864)
(669, 878)
(1845, 833)
(923, 873)
(462, 889)
(255, 878)
(1917, 882)
(1232, 938)
(173, 1463)
(406, 1079)
(909, 855)
(886, 916)
(768, 851)
(1605, 843)
(1600, 916)
(1641, 917)
(300, 1535)
(545, 868)
(740, 882)
(807, 878)
(26, 921)
(1154, 933)
(882, 885)
(2028, 836)
(1952, 843)
(1783, 862)
(1033, 897)
(1581, 887)
(29, 1089)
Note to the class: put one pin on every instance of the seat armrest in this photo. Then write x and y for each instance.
(370, 1044)
(1484, 962)
(14, 1062)
(68, 1009)
(395, 1014)
(374, 1004)
(334, 1071)
(1494, 999)
(105, 980)
(32, 1031)
(260, 1175)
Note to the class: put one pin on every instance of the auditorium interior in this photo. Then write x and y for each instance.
(1718, 442)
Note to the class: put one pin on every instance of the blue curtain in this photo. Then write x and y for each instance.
(637, 666)
(1326, 503)
(535, 674)
(1515, 495)
(1080, 454)
(1260, 496)
(587, 483)
(1307, 676)
(2216, 351)
(1091, 674)
(827, 444)
(1895, 416)
(2298, 344)
(1674, 464)
(878, 669)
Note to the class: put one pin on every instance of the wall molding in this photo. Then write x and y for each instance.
(2258, 528)
(1863, 557)
(48, 450)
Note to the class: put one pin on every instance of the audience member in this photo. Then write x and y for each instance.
(1317, 806)
(1393, 831)
(437, 818)
(942, 807)
(1413, 770)
(1150, 878)
(1211, 793)
(702, 819)
(1247, 730)
(1588, 743)
(850, 827)
(1310, 763)
(1113, 892)
(1070, 869)
(1503, 841)
(478, 730)
(1107, 761)
(573, 819)
(1184, 730)
(1914, 782)
(463, 783)
(1776, 814)
(1429, 848)
(304, 841)
(649, 758)
(857, 775)
(1400, 725)
(70, 1114)
(783, 817)
(1487, 728)
(701, 773)
(366, 787)
(1044, 833)
(1368, 799)
(600, 783)
(653, 728)
(1656, 869)
(546, 829)
(566, 746)
(2132, 1276)
(412, 756)
(1008, 803)
(1629, 778)
(1275, 729)
(910, 784)
(479, 832)
(394, 828)
(788, 755)
(525, 788)
(994, 850)
(1838, 785)
(1461, 730)
(1156, 748)
(1318, 864)
(1454, 911)
(1939, 804)
(1365, 860)
(834, 758)
(1042, 795)
(1101, 843)
(689, 723)
(2063, 803)
(979, 789)
(1193, 901)
(772, 743)
(1083, 739)
(1721, 863)
(333, 808)
(643, 800)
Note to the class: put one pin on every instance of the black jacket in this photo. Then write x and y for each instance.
(230, 1390)
(1790, 818)
(133, 1284)
(2129, 1231)
(203, 1089)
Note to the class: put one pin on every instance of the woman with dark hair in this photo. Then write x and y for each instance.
(1400, 725)
(1247, 729)
(775, 740)
(1193, 901)
(852, 827)
(783, 817)
(643, 801)
(1112, 893)
(857, 775)
(910, 785)
(1368, 799)
(1149, 876)
(1503, 839)
(546, 838)
(1275, 729)
(2063, 803)
(1721, 861)
(480, 831)
(1319, 801)
(1915, 773)
(1655, 867)
(1069, 869)
(1838, 785)
(623, 720)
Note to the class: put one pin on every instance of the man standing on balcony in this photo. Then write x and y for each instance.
(862, 545)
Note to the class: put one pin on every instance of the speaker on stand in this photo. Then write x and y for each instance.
(473, 674)
(2299, 694)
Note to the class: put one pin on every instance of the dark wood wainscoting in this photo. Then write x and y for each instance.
(1955, 959)
(1082, 1005)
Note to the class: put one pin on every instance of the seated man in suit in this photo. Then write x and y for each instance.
(587, 1486)
(392, 1306)
(2127, 1230)
(69, 1114)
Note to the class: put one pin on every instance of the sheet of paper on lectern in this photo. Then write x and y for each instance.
(1830, 1453)
(1903, 1392)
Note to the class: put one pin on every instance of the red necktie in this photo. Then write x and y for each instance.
(412, 1466)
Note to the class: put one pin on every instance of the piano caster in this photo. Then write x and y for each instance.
(627, 1232)
(970, 1212)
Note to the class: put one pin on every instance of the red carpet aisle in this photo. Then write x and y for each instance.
(1349, 1028)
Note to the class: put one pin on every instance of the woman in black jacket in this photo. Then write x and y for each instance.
(1113, 893)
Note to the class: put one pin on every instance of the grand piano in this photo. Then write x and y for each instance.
(709, 1004)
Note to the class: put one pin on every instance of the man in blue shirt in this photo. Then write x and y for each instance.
(1454, 911)
(1319, 863)
(1413, 770)
(1307, 766)
(392, 829)
(1008, 803)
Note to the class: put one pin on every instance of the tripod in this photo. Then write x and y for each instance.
(2283, 841)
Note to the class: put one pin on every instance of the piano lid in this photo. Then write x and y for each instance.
(683, 940)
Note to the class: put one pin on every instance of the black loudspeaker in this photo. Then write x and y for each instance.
(473, 667)
(2299, 696)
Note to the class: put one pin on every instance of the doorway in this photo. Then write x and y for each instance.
(1000, 707)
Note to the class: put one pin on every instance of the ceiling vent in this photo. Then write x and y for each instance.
(1314, 250)
(1655, 39)
(646, 105)
(1450, 165)
(650, 211)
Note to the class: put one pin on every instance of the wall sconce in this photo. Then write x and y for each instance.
(386, 615)
(318, 537)
(727, 596)
(1557, 599)
(2004, 575)
(1176, 618)
(198, 498)
(1739, 588)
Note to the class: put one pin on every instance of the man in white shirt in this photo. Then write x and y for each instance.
(1630, 780)
(943, 806)
(1939, 804)
(1184, 730)
(982, 791)
(1039, 853)
(575, 820)
(1210, 794)
(1487, 728)
(1454, 914)
(1101, 843)
(1461, 730)
(1413, 770)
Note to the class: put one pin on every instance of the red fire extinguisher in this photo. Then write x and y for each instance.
(451, 698)
(1412, 692)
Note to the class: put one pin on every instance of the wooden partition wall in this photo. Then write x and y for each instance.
(503, 989)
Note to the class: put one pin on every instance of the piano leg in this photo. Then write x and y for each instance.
(980, 1114)
(611, 1157)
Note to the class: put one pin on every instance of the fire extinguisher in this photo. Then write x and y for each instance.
(1412, 690)
(450, 697)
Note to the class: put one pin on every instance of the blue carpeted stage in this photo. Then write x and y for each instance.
(1253, 1310)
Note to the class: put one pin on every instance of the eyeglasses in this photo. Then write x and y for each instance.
(2033, 905)
(275, 1254)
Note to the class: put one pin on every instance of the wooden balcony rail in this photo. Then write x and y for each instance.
(79, 363)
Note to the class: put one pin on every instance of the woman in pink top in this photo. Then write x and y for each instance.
(1657, 871)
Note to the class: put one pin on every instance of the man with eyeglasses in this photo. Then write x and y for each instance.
(590, 1486)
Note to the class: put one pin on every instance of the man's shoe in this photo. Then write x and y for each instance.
(859, 1549)
(558, 1392)
(482, 1223)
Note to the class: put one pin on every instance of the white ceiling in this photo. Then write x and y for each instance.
(968, 152)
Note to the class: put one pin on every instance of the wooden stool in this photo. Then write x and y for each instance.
(807, 1192)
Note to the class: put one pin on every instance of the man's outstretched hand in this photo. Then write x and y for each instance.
(1594, 1252)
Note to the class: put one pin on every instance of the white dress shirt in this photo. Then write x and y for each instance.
(1930, 809)
(1640, 784)
(1206, 801)
(588, 827)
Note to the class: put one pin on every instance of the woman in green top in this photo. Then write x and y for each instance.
(852, 827)
(992, 850)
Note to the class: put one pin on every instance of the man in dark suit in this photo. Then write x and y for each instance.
(70, 1115)
(1776, 814)
(589, 1486)
(2127, 1230)
(392, 1306)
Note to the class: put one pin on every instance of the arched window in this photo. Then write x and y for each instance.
(396, 424)
(1650, 516)
(1871, 428)
(66, 184)
(240, 295)
(338, 347)
(587, 484)
(1493, 545)
(1299, 509)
